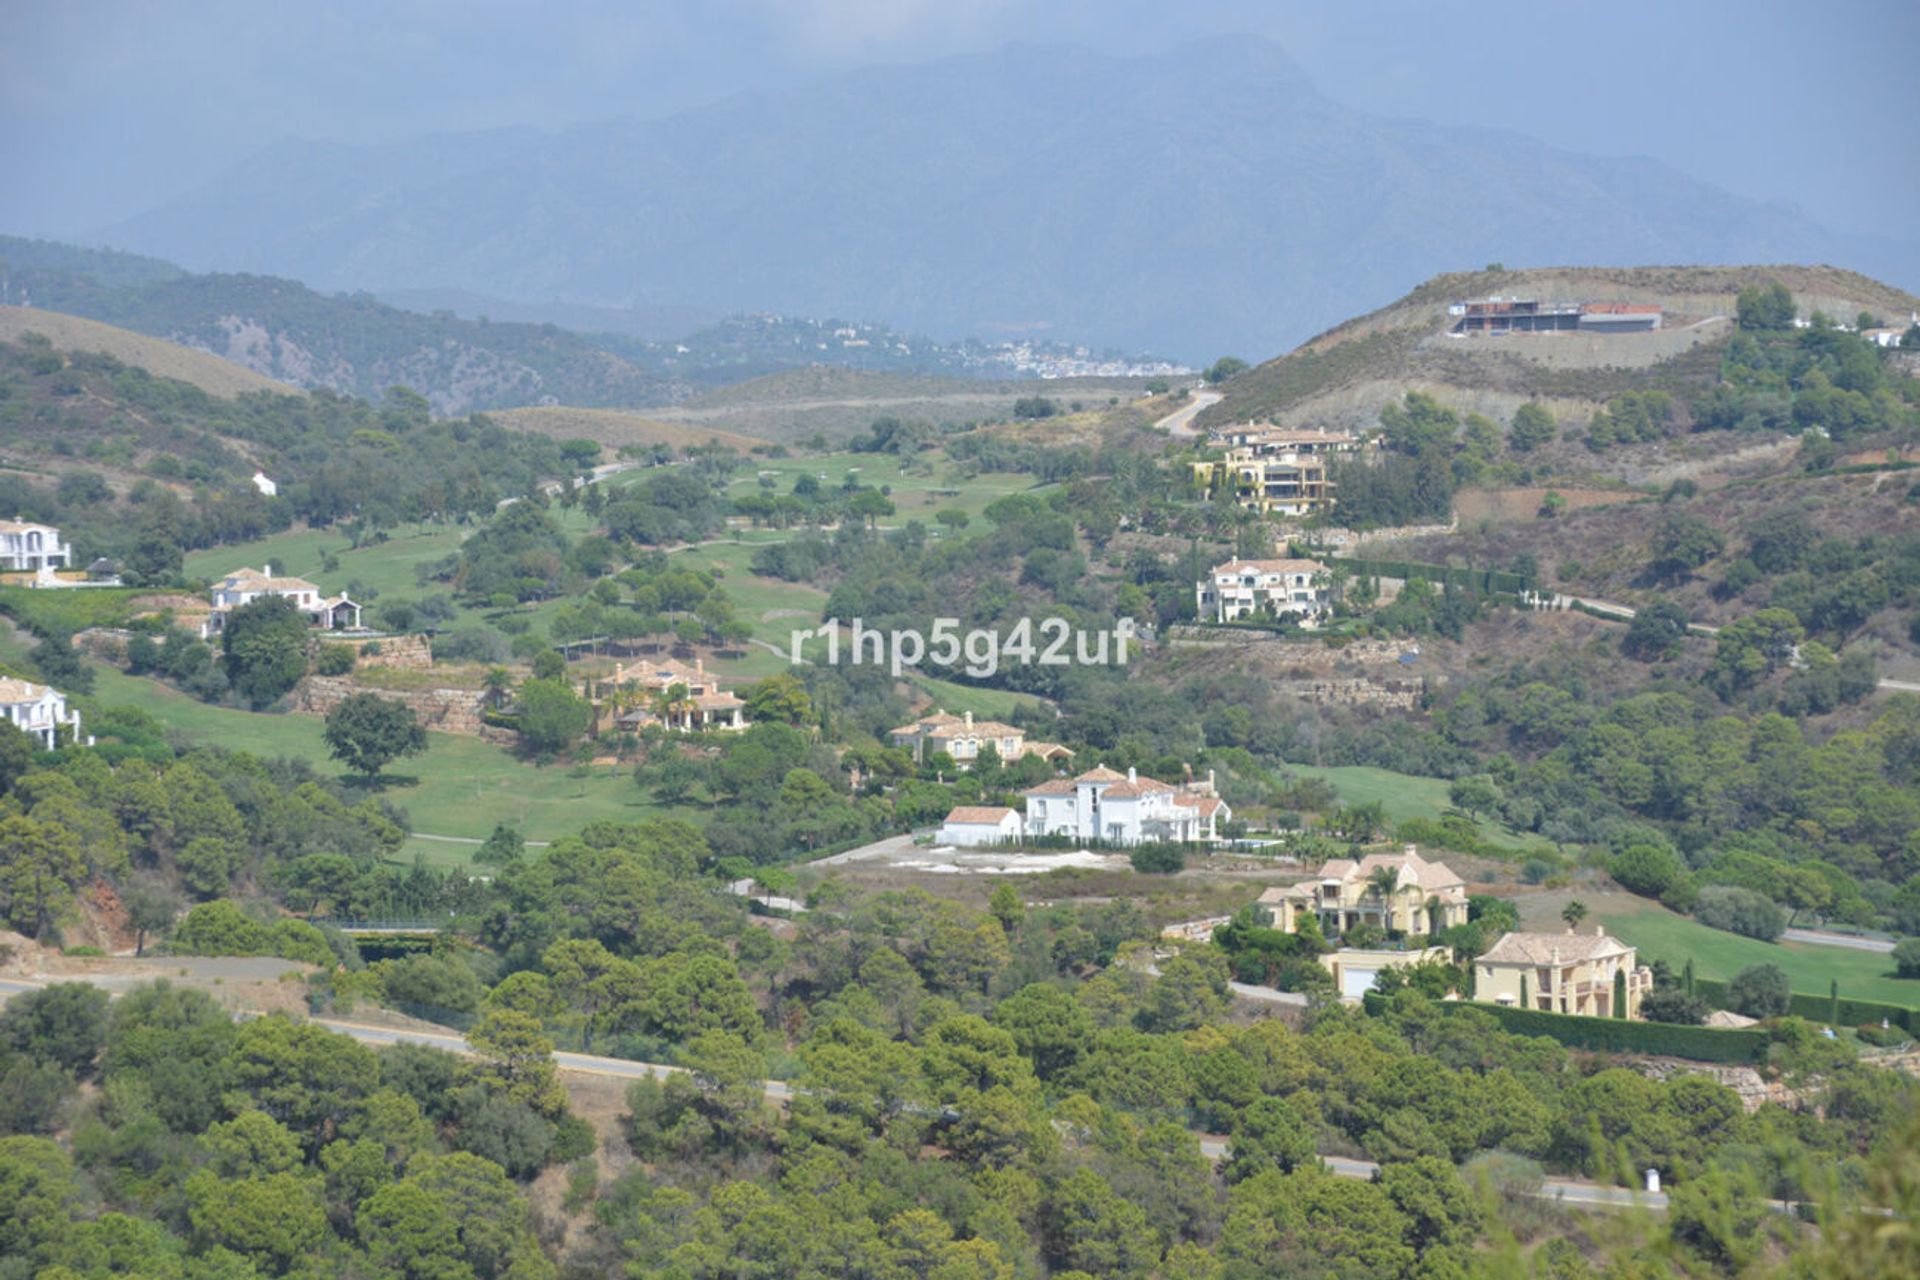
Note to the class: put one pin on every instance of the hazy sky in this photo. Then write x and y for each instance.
(109, 106)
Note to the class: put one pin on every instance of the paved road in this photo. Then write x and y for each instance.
(1180, 421)
(1820, 937)
(879, 848)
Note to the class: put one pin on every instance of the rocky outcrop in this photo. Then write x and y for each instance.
(1754, 1089)
(408, 653)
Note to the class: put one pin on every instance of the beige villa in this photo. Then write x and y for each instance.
(1397, 892)
(963, 738)
(1561, 973)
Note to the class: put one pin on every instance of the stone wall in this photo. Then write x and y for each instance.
(442, 710)
(409, 653)
(1361, 691)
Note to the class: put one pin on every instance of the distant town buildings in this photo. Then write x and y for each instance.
(244, 586)
(1495, 316)
(1245, 588)
(25, 545)
(39, 711)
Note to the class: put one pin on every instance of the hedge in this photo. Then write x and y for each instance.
(1820, 1008)
(1620, 1035)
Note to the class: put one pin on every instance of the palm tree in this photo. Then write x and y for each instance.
(1380, 886)
(499, 681)
(1573, 913)
(672, 701)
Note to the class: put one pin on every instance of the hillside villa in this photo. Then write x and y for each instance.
(963, 739)
(702, 704)
(1100, 804)
(1275, 471)
(1242, 588)
(38, 710)
(1424, 897)
(1562, 973)
(27, 546)
(244, 586)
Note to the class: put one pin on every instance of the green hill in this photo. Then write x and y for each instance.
(1346, 375)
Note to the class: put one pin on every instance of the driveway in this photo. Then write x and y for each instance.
(1180, 421)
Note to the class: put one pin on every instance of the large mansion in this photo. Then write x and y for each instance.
(1562, 973)
(1101, 804)
(963, 739)
(244, 586)
(1242, 588)
(38, 710)
(25, 545)
(1396, 892)
(698, 705)
(1273, 470)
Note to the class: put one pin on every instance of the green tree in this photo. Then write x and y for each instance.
(1906, 958)
(1225, 367)
(551, 716)
(1759, 991)
(1532, 426)
(366, 732)
(64, 1024)
(265, 643)
(1573, 913)
(40, 869)
(1269, 1134)
(1682, 543)
(1768, 308)
(1656, 632)
(273, 1220)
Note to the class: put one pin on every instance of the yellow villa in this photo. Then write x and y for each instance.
(1561, 973)
(1398, 892)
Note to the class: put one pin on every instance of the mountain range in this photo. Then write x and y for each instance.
(1196, 200)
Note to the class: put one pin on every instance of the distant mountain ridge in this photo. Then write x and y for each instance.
(357, 345)
(1193, 201)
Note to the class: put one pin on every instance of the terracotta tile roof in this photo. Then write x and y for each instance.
(1052, 787)
(12, 691)
(1541, 948)
(1100, 773)
(980, 728)
(710, 701)
(1207, 805)
(1048, 749)
(1270, 566)
(992, 815)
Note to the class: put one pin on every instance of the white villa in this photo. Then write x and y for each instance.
(243, 586)
(964, 738)
(29, 546)
(1241, 588)
(979, 825)
(1124, 808)
(38, 710)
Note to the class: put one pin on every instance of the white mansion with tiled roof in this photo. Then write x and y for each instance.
(244, 586)
(38, 710)
(964, 738)
(1241, 588)
(1100, 804)
(26, 545)
(705, 705)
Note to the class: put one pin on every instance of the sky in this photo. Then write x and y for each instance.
(108, 107)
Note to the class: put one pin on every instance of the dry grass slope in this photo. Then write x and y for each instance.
(616, 428)
(1344, 375)
(157, 356)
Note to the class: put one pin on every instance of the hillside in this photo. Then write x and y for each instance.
(1345, 375)
(617, 429)
(838, 403)
(210, 373)
(1217, 201)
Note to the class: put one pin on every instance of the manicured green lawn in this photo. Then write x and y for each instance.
(1660, 934)
(461, 787)
(1404, 796)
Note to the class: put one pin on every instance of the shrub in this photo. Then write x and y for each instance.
(1647, 869)
(1906, 959)
(1618, 1035)
(1881, 1037)
(1741, 911)
(334, 659)
(1159, 859)
(1674, 1006)
(1759, 991)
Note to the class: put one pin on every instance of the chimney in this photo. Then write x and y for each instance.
(268, 571)
(700, 664)
(1132, 776)
(969, 719)
(1599, 931)
(1209, 780)
(1187, 769)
